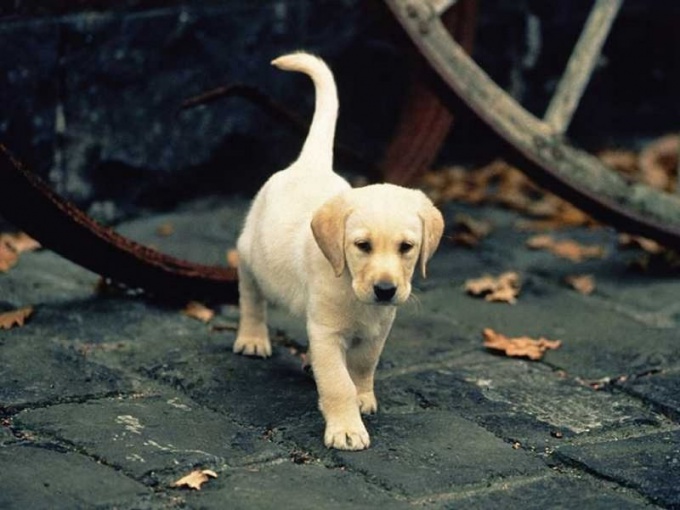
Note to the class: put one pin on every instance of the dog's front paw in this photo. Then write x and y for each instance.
(343, 437)
(367, 402)
(253, 346)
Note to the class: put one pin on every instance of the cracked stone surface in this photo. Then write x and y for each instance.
(126, 395)
(47, 476)
(650, 463)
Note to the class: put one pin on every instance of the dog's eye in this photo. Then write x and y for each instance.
(364, 246)
(405, 247)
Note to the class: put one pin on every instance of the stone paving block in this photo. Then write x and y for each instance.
(649, 298)
(534, 389)
(662, 390)
(200, 362)
(36, 370)
(432, 452)
(419, 392)
(143, 436)
(204, 234)
(423, 453)
(519, 401)
(45, 277)
(148, 341)
(48, 477)
(649, 464)
(419, 337)
(306, 486)
(258, 392)
(597, 341)
(553, 491)
(76, 349)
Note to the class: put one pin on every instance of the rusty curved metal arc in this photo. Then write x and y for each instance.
(569, 172)
(31, 205)
(425, 120)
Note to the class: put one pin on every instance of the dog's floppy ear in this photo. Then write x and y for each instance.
(328, 227)
(433, 228)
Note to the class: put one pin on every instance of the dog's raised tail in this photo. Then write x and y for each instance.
(317, 150)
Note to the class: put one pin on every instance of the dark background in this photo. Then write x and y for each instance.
(90, 91)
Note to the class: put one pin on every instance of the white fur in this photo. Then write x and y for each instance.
(303, 247)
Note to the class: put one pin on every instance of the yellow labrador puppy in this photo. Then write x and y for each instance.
(342, 258)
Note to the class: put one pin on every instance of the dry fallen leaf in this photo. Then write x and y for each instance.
(11, 246)
(583, 283)
(232, 258)
(565, 215)
(503, 288)
(20, 242)
(623, 161)
(648, 245)
(195, 479)
(659, 162)
(567, 248)
(199, 311)
(14, 318)
(520, 347)
(470, 231)
(8, 257)
(501, 183)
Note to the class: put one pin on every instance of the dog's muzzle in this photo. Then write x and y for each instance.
(384, 292)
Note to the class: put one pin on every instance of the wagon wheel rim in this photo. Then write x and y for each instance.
(539, 146)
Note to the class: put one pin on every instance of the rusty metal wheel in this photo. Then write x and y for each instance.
(539, 144)
(425, 120)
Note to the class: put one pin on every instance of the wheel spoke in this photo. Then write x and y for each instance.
(581, 64)
(567, 171)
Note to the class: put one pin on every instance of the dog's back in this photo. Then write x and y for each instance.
(277, 234)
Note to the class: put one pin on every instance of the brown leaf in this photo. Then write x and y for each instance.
(501, 183)
(20, 242)
(503, 288)
(623, 161)
(195, 479)
(232, 258)
(470, 231)
(567, 248)
(659, 162)
(8, 320)
(8, 257)
(583, 283)
(520, 347)
(648, 245)
(198, 311)
(11, 246)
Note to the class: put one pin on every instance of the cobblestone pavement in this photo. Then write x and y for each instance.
(105, 400)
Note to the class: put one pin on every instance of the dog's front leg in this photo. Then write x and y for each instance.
(252, 338)
(362, 360)
(337, 393)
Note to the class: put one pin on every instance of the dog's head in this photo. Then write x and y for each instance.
(378, 233)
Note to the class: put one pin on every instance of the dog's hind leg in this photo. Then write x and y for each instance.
(252, 338)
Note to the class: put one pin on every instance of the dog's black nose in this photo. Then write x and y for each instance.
(384, 291)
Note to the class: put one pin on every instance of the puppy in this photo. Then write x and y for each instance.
(341, 258)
